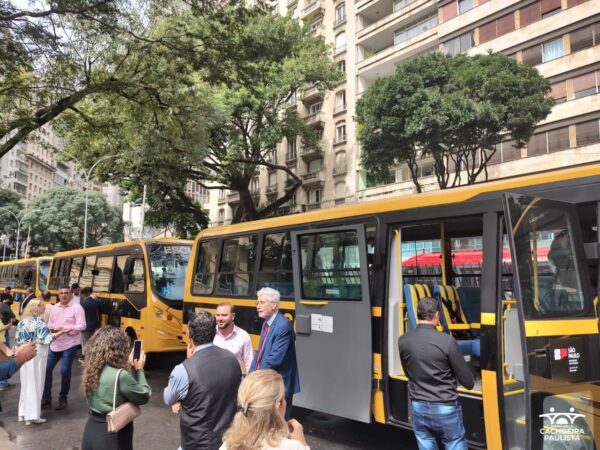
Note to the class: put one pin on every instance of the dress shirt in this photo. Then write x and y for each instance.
(69, 316)
(433, 362)
(179, 382)
(239, 343)
(76, 299)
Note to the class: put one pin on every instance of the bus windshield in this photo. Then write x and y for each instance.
(168, 263)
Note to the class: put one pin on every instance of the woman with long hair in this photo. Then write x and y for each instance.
(107, 356)
(259, 423)
(32, 328)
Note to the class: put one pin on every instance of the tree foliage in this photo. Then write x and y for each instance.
(57, 220)
(11, 201)
(221, 80)
(453, 109)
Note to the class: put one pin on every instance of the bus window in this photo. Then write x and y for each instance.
(422, 261)
(75, 270)
(44, 268)
(136, 279)
(87, 275)
(168, 264)
(117, 281)
(28, 277)
(331, 266)
(466, 259)
(206, 267)
(236, 274)
(276, 264)
(102, 279)
(64, 273)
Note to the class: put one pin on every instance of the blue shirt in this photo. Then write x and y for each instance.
(179, 382)
(91, 306)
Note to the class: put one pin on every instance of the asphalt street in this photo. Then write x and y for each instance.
(157, 428)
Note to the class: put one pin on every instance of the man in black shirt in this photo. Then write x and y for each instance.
(91, 307)
(433, 363)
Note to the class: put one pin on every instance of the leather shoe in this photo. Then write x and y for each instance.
(46, 404)
(62, 404)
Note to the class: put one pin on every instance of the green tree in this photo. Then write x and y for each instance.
(453, 109)
(54, 54)
(228, 75)
(56, 220)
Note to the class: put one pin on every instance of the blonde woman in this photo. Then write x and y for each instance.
(32, 328)
(259, 423)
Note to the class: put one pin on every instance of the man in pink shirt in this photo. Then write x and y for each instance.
(231, 337)
(68, 317)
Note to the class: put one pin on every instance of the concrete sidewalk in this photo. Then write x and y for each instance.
(6, 443)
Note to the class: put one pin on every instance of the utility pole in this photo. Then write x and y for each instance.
(143, 212)
(18, 229)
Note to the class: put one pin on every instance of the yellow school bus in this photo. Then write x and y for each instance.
(21, 274)
(521, 306)
(140, 285)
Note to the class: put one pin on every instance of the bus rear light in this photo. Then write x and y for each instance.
(169, 316)
(159, 314)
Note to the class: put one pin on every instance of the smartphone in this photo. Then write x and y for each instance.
(137, 349)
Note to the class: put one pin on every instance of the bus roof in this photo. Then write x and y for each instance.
(102, 248)
(431, 198)
(24, 260)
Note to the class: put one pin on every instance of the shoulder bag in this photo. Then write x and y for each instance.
(118, 418)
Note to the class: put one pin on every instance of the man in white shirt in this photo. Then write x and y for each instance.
(231, 337)
(76, 298)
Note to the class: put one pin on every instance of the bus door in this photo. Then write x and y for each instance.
(333, 321)
(557, 327)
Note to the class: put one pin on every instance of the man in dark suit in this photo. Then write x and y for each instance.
(277, 347)
(29, 295)
(203, 389)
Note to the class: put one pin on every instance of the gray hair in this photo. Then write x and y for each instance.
(269, 292)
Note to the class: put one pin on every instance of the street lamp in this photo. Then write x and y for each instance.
(18, 229)
(88, 174)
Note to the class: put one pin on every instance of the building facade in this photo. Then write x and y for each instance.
(369, 38)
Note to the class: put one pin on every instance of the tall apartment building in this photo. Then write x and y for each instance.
(32, 168)
(369, 38)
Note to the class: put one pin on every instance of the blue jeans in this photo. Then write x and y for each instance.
(433, 422)
(67, 356)
(7, 343)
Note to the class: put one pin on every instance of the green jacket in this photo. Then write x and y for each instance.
(131, 388)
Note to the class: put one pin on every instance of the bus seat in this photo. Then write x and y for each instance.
(412, 294)
(450, 295)
(470, 301)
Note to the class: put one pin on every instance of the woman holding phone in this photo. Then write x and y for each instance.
(32, 328)
(259, 423)
(109, 354)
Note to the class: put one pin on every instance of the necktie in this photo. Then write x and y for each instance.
(262, 346)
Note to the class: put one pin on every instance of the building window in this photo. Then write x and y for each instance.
(464, 6)
(459, 44)
(340, 132)
(221, 194)
(340, 189)
(221, 216)
(552, 49)
(340, 42)
(585, 85)
(548, 141)
(497, 28)
(294, 98)
(341, 66)
(315, 166)
(340, 162)
(550, 7)
(273, 179)
(314, 108)
(399, 4)
(314, 196)
(588, 132)
(585, 37)
(291, 149)
(272, 156)
(411, 31)
(340, 101)
(532, 56)
(559, 91)
(449, 11)
(340, 13)
(315, 26)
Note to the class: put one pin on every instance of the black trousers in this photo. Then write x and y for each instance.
(96, 436)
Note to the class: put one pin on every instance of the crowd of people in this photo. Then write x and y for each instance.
(227, 396)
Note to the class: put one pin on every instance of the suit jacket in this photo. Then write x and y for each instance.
(279, 353)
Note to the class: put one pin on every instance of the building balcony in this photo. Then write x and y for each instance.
(291, 158)
(313, 8)
(21, 177)
(340, 169)
(289, 184)
(314, 118)
(339, 109)
(255, 192)
(340, 21)
(339, 140)
(311, 94)
(340, 201)
(313, 179)
(313, 206)
(272, 189)
(292, 3)
(310, 153)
